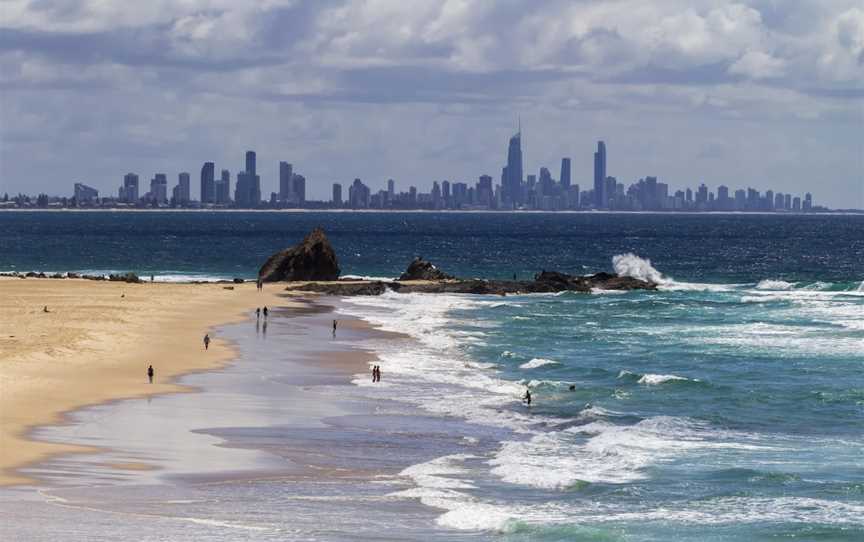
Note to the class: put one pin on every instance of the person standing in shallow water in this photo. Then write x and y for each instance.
(334, 328)
(150, 373)
(266, 312)
(207, 341)
(258, 312)
(527, 398)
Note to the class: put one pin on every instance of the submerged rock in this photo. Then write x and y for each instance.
(312, 259)
(421, 269)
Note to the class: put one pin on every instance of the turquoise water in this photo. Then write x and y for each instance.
(700, 412)
(728, 405)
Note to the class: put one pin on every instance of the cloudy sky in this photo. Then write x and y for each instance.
(761, 93)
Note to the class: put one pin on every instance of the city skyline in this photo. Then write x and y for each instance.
(755, 93)
(515, 192)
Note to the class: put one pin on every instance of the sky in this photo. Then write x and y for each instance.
(756, 93)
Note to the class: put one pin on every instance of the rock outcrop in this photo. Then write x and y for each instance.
(420, 269)
(544, 282)
(312, 259)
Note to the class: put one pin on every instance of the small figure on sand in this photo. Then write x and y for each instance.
(45, 309)
(266, 312)
(150, 373)
(527, 398)
(206, 341)
(376, 373)
(334, 328)
(258, 312)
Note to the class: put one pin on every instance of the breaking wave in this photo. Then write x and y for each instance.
(538, 362)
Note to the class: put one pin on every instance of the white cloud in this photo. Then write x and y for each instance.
(380, 80)
(758, 65)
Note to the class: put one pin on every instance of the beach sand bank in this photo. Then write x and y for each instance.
(94, 345)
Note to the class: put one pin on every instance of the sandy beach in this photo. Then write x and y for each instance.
(94, 345)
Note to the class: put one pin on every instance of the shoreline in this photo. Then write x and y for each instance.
(843, 212)
(93, 347)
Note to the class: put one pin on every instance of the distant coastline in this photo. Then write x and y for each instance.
(839, 212)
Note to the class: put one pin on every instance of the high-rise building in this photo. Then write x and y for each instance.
(337, 195)
(808, 202)
(247, 191)
(358, 195)
(286, 174)
(485, 192)
(796, 203)
(208, 183)
(250, 162)
(129, 190)
(547, 184)
(511, 179)
(84, 193)
(600, 196)
(298, 189)
(723, 201)
(223, 188)
(159, 189)
(391, 189)
(787, 202)
(565, 173)
(180, 194)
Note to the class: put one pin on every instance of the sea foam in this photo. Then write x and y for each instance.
(538, 362)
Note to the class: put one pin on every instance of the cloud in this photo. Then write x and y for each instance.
(758, 65)
(378, 81)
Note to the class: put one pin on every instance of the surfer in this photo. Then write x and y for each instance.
(527, 398)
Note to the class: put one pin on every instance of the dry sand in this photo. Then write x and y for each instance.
(94, 345)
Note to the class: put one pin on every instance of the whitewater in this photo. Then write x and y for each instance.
(648, 393)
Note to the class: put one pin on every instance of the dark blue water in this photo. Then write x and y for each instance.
(728, 405)
(716, 248)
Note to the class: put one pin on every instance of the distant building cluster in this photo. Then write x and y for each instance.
(515, 190)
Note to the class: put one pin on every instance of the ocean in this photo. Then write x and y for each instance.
(728, 405)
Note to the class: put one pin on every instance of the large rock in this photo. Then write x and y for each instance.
(420, 269)
(313, 259)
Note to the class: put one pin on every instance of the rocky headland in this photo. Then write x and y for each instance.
(311, 266)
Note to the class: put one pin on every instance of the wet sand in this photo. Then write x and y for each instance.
(94, 345)
(278, 444)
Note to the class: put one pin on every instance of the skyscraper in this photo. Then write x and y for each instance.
(223, 188)
(298, 189)
(250, 162)
(159, 188)
(337, 195)
(565, 173)
(180, 194)
(600, 196)
(247, 191)
(286, 173)
(512, 174)
(208, 183)
(129, 190)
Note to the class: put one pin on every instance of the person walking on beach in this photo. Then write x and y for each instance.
(266, 312)
(374, 373)
(334, 328)
(258, 312)
(527, 398)
(206, 341)
(377, 373)
(150, 373)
